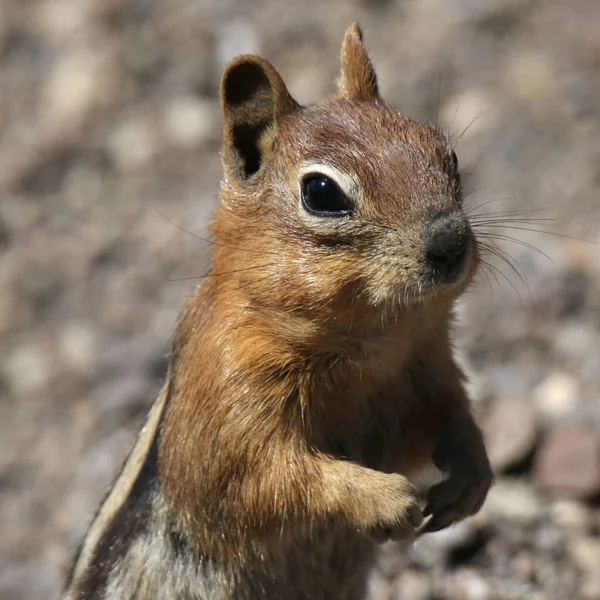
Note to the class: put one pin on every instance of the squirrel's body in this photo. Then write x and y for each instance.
(313, 371)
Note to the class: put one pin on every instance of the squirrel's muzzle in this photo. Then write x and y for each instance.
(447, 242)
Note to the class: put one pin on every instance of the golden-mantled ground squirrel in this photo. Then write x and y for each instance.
(312, 374)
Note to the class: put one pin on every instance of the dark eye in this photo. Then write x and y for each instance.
(322, 196)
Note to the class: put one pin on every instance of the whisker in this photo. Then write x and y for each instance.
(508, 260)
(241, 287)
(437, 104)
(503, 213)
(483, 221)
(209, 241)
(512, 285)
(455, 113)
(507, 238)
(481, 114)
(468, 212)
(508, 213)
(468, 193)
(554, 233)
(487, 277)
(251, 302)
(487, 268)
(222, 273)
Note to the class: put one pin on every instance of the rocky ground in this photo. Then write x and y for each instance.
(109, 130)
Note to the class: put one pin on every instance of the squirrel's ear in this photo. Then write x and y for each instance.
(357, 78)
(253, 97)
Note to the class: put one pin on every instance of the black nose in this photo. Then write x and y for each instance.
(447, 241)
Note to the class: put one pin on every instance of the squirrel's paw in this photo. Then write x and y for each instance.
(398, 514)
(460, 495)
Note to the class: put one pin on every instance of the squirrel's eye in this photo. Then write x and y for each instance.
(322, 196)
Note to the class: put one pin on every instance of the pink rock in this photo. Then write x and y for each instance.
(568, 463)
(511, 431)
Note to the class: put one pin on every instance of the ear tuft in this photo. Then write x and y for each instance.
(253, 98)
(358, 79)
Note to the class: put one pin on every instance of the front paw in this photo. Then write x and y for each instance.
(463, 491)
(398, 514)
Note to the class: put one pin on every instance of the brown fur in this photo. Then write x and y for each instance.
(357, 78)
(313, 372)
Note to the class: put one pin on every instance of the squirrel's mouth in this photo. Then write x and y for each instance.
(447, 276)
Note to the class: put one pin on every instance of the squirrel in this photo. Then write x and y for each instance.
(312, 373)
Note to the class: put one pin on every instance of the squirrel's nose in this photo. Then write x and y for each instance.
(447, 241)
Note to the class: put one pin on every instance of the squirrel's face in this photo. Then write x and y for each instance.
(361, 186)
(356, 204)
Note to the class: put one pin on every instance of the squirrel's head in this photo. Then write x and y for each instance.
(339, 205)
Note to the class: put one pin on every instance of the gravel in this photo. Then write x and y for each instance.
(109, 130)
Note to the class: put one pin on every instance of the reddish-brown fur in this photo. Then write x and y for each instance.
(296, 343)
(313, 372)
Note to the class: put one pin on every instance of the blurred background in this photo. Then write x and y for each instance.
(109, 130)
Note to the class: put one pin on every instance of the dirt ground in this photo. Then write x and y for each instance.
(109, 134)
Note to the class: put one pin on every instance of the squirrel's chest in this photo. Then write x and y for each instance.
(367, 425)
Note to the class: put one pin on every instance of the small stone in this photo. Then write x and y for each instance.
(425, 552)
(549, 540)
(568, 462)
(60, 20)
(392, 559)
(467, 584)
(77, 347)
(530, 76)
(133, 144)
(557, 395)
(585, 553)
(78, 84)
(190, 122)
(28, 369)
(82, 187)
(572, 515)
(460, 539)
(515, 501)
(511, 432)
(574, 339)
(590, 588)
(235, 37)
(378, 587)
(462, 535)
(127, 394)
(578, 255)
(468, 113)
(524, 566)
(413, 585)
(311, 78)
